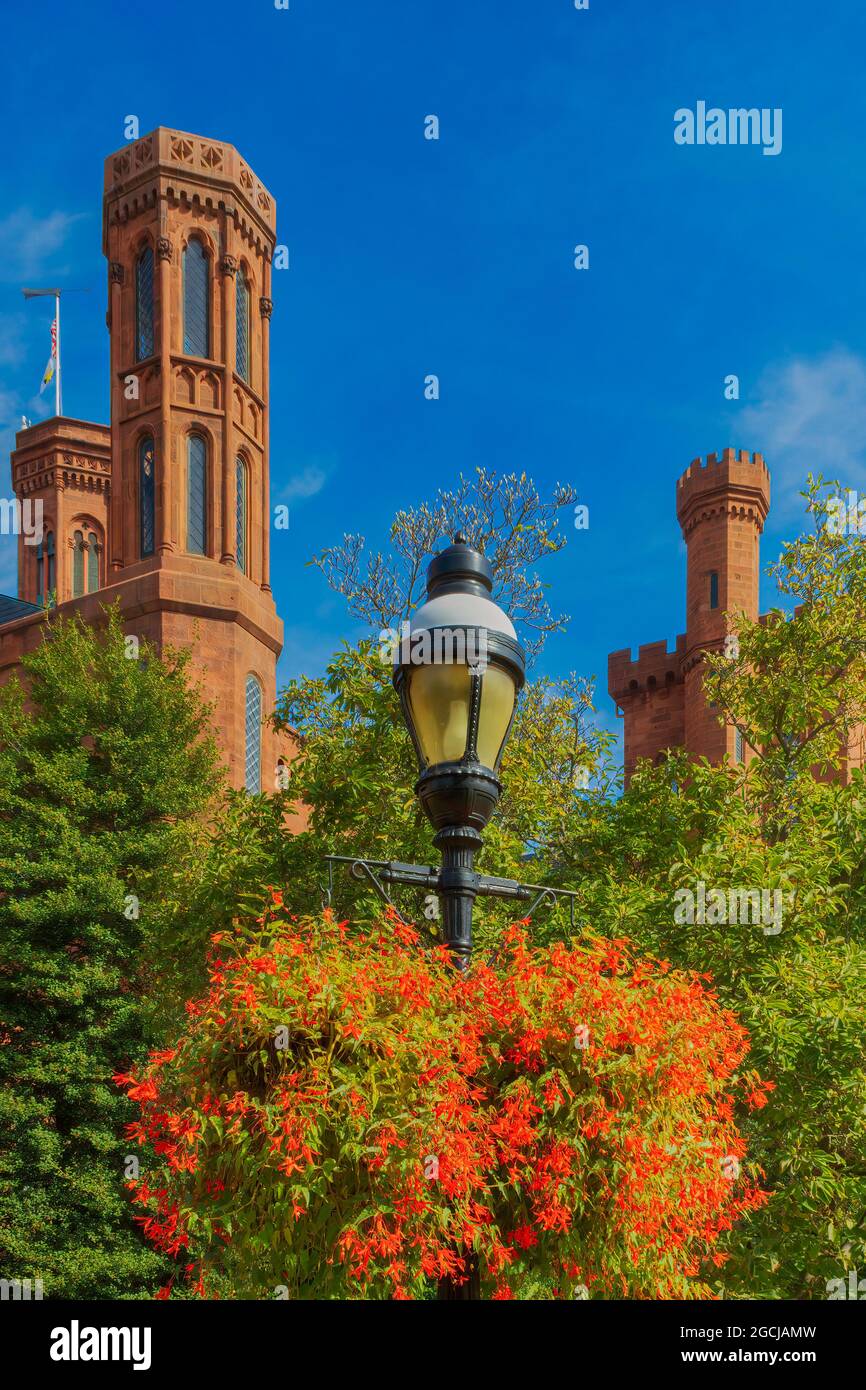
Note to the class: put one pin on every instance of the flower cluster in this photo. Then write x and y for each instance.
(348, 1116)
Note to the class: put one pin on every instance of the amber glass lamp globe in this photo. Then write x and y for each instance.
(459, 670)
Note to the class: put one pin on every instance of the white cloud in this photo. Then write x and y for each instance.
(29, 241)
(810, 417)
(304, 484)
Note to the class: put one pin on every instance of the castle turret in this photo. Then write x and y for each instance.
(61, 473)
(722, 505)
(166, 513)
(189, 234)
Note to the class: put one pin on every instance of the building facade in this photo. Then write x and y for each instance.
(722, 504)
(166, 511)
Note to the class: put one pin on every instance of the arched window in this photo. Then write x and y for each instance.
(146, 497)
(196, 495)
(196, 300)
(253, 730)
(241, 514)
(51, 563)
(144, 305)
(85, 562)
(77, 564)
(92, 562)
(242, 326)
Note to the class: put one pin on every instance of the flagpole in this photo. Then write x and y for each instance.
(58, 399)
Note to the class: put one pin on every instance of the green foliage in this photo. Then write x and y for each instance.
(100, 763)
(800, 992)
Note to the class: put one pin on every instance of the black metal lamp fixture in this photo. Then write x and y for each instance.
(458, 671)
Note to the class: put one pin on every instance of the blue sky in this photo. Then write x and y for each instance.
(455, 257)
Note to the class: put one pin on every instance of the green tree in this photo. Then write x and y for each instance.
(103, 755)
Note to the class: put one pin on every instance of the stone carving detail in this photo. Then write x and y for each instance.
(120, 165)
(143, 152)
(163, 248)
(229, 265)
(212, 156)
(115, 273)
(264, 201)
(265, 307)
(181, 150)
(246, 179)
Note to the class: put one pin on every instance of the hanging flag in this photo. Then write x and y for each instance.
(51, 366)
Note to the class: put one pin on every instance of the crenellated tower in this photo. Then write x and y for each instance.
(722, 505)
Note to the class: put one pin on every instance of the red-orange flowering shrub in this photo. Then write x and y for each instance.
(346, 1116)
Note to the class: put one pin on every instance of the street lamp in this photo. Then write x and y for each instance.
(458, 670)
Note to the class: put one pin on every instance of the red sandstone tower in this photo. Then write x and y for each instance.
(721, 506)
(167, 511)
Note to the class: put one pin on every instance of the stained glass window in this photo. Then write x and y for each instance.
(196, 300)
(241, 514)
(196, 495)
(242, 325)
(146, 496)
(253, 729)
(144, 305)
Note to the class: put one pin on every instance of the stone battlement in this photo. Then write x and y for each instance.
(655, 667)
(733, 481)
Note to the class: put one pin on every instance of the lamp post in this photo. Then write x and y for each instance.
(458, 671)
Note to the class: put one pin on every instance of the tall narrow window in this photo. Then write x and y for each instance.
(241, 515)
(740, 751)
(50, 564)
(77, 564)
(146, 497)
(196, 495)
(196, 300)
(714, 590)
(92, 563)
(253, 730)
(242, 326)
(144, 305)
(40, 573)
